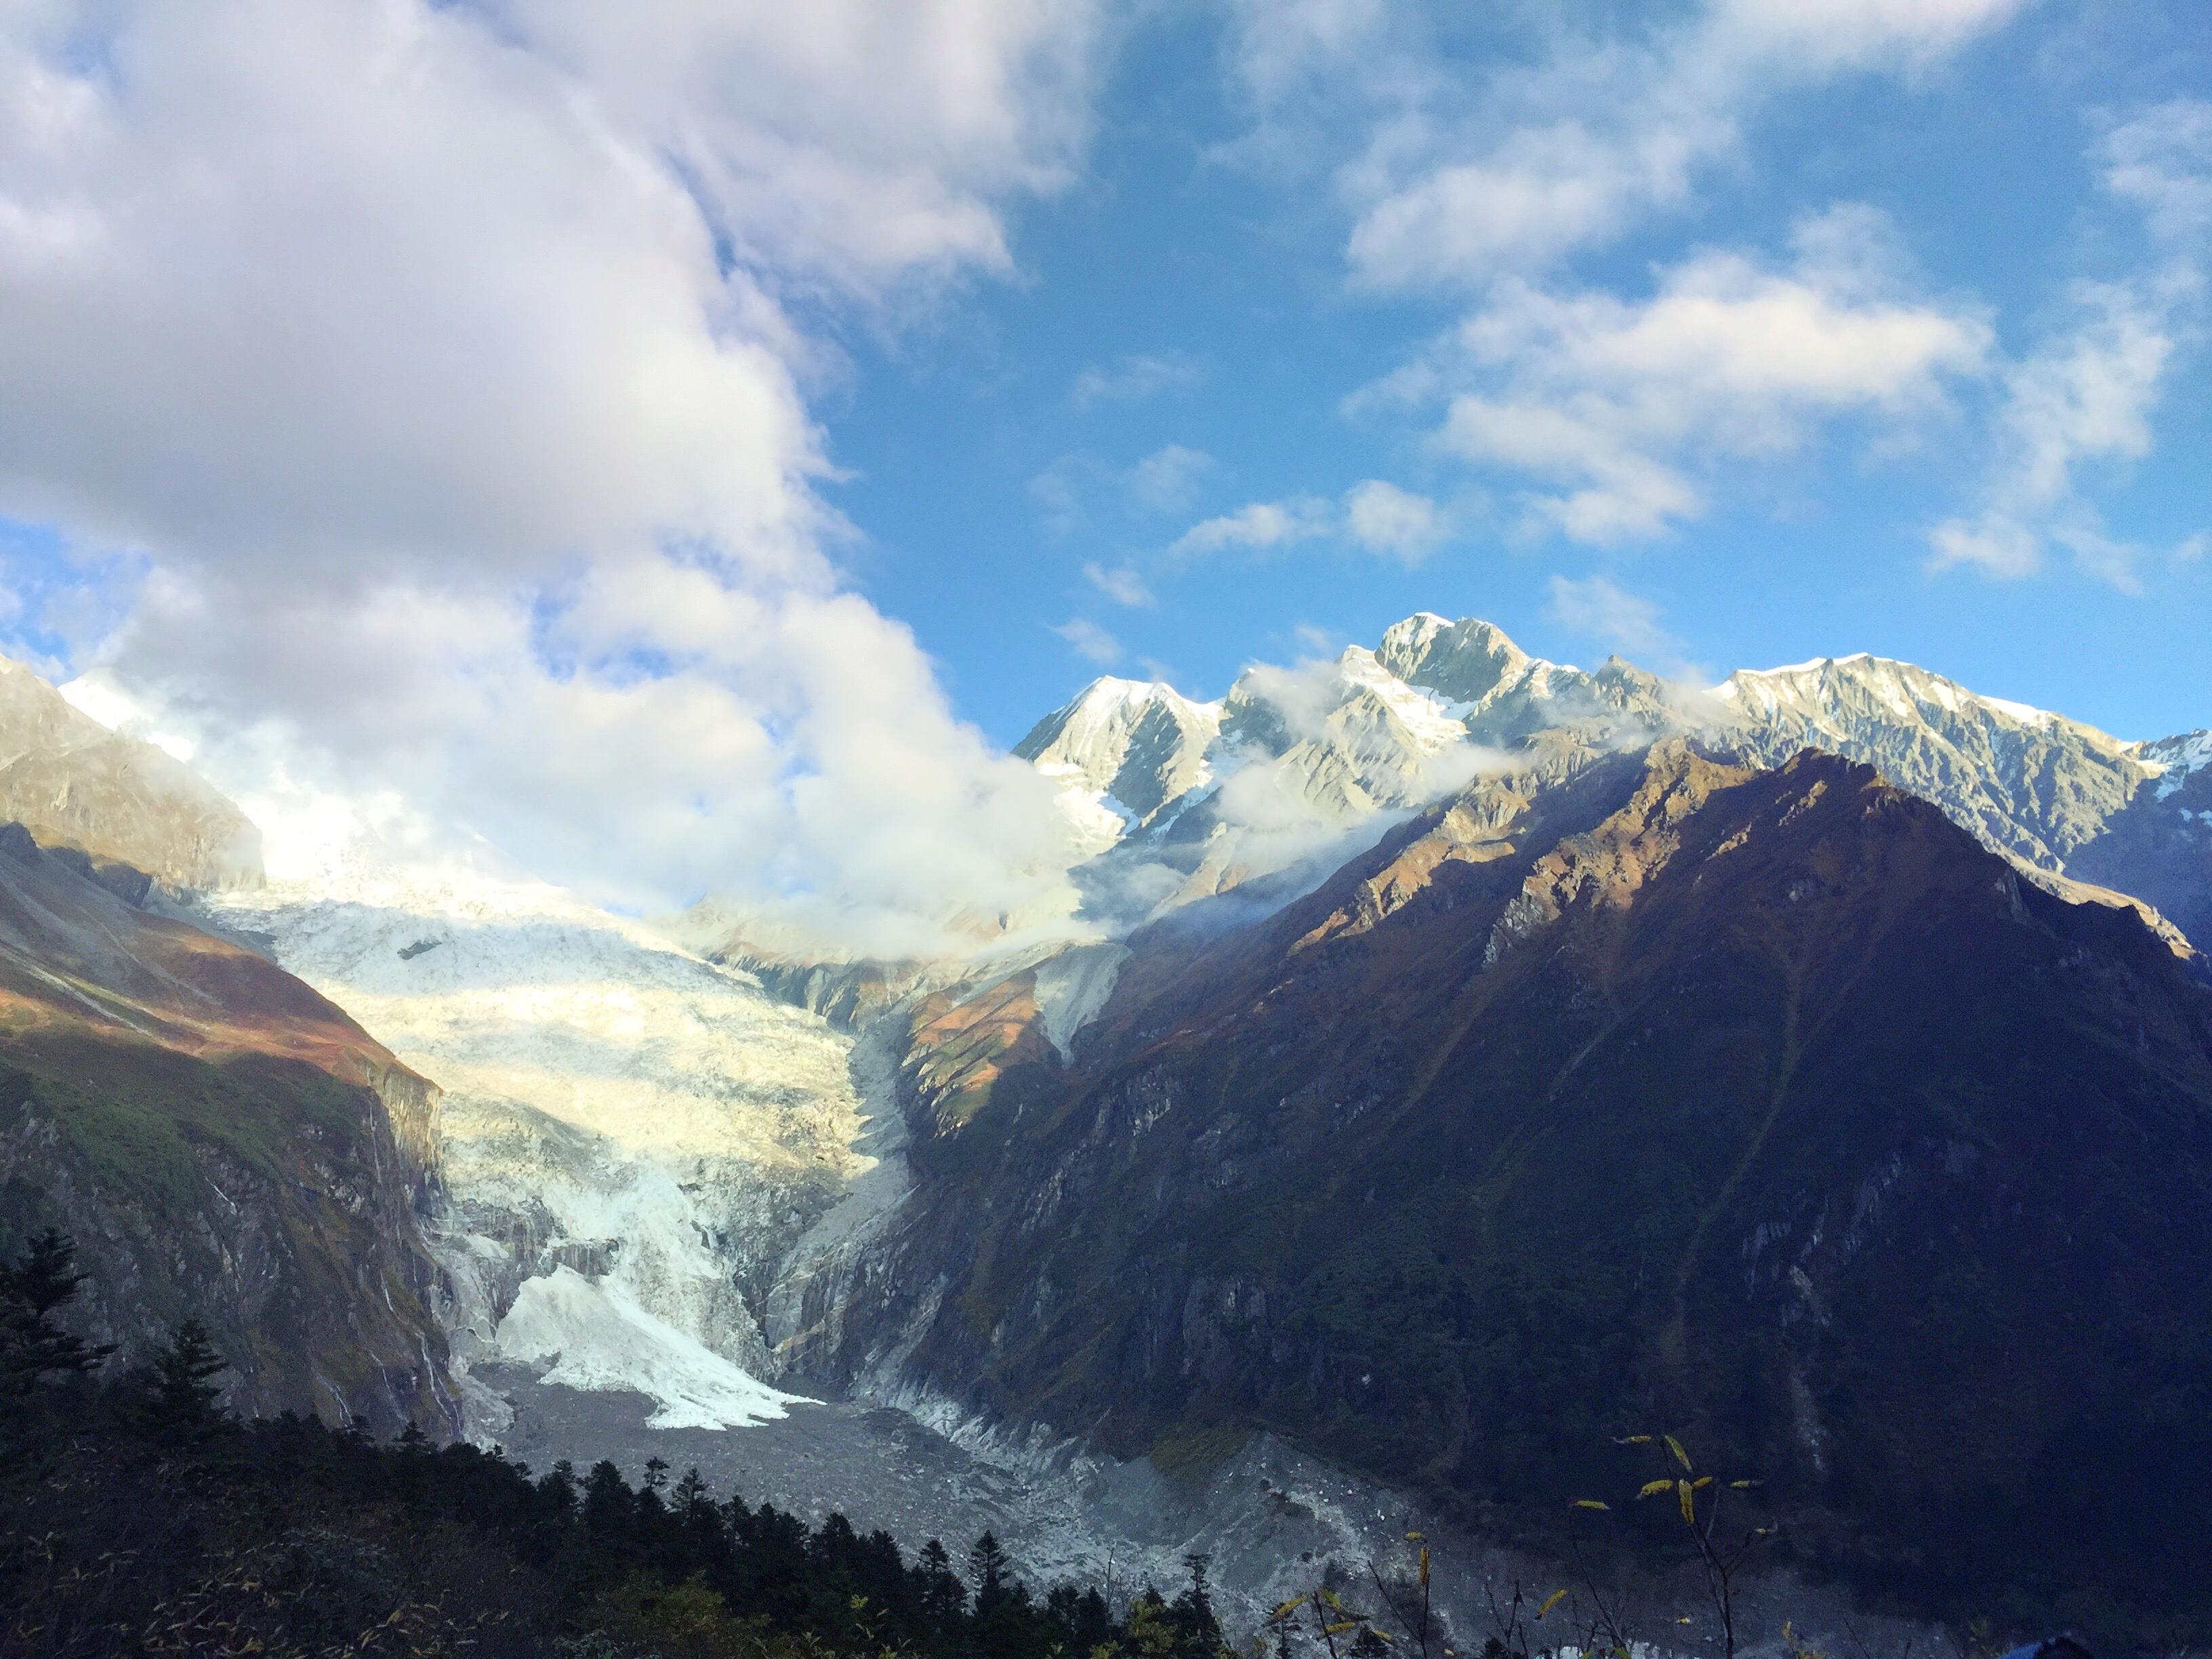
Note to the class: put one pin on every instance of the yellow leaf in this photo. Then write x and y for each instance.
(1339, 1629)
(1591, 1504)
(1638, 1440)
(1424, 1566)
(1557, 1596)
(1289, 1606)
(1689, 1503)
(1653, 1488)
(1413, 1538)
(1742, 1486)
(1681, 1457)
(1701, 1482)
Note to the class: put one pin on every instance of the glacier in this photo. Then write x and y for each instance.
(630, 1137)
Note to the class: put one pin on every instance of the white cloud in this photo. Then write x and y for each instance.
(1263, 525)
(1167, 478)
(462, 430)
(2085, 396)
(1119, 583)
(1459, 184)
(1626, 404)
(1378, 516)
(1601, 608)
(1135, 379)
(1058, 492)
(1384, 519)
(2161, 161)
(1092, 642)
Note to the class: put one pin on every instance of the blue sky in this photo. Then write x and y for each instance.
(672, 448)
(984, 483)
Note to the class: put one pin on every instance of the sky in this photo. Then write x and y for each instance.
(678, 448)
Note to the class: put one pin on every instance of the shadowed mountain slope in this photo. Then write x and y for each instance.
(220, 1141)
(1771, 1105)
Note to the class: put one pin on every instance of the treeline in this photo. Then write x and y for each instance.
(138, 1516)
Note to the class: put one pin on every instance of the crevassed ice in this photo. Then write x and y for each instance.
(615, 1109)
(598, 1339)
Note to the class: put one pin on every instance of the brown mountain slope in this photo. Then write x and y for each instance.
(1769, 1104)
(220, 1141)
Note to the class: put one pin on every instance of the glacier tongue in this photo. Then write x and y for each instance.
(630, 1137)
(598, 1340)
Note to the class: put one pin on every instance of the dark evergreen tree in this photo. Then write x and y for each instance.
(179, 1406)
(944, 1597)
(34, 1289)
(1197, 1628)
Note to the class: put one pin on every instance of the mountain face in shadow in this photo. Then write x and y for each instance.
(1772, 1105)
(220, 1141)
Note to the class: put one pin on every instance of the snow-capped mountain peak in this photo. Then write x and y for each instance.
(1122, 750)
(2174, 760)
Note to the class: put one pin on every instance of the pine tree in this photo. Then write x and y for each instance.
(179, 1404)
(944, 1597)
(986, 1570)
(33, 1290)
(1197, 1630)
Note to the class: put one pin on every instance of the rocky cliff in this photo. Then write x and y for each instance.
(221, 1142)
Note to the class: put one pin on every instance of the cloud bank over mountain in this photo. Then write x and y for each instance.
(429, 386)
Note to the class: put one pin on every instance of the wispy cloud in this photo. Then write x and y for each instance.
(1374, 515)
(1627, 623)
(1263, 525)
(1396, 523)
(1623, 406)
(1573, 151)
(1166, 479)
(1135, 379)
(1119, 583)
(1090, 641)
(2086, 395)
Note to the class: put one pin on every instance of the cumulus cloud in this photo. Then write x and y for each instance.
(460, 439)
(1624, 404)
(2085, 395)
(1134, 378)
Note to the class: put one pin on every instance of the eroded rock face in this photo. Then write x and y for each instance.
(1768, 1101)
(221, 1142)
(74, 783)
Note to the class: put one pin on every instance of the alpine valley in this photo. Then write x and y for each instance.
(1452, 1062)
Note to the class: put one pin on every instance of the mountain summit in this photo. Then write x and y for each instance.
(1297, 765)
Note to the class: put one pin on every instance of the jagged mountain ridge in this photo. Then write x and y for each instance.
(1303, 758)
(1673, 1089)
